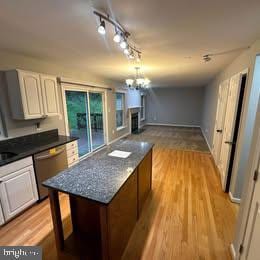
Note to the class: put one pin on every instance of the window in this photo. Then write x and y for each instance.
(142, 107)
(120, 108)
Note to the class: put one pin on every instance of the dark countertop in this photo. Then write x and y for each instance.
(99, 177)
(29, 145)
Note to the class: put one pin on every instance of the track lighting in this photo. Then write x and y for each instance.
(120, 36)
(101, 27)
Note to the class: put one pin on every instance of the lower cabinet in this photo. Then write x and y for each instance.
(17, 188)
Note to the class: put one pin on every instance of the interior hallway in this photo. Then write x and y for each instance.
(187, 216)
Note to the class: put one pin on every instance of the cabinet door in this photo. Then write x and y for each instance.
(30, 87)
(2, 221)
(50, 95)
(18, 191)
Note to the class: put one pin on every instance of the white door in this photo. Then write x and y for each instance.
(18, 191)
(220, 119)
(30, 86)
(2, 220)
(50, 95)
(230, 118)
(251, 244)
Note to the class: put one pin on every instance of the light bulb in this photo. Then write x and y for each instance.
(131, 56)
(123, 44)
(129, 82)
(140, 81)
(117, 37)
(101, 28)
(147, 81)
(126, 51)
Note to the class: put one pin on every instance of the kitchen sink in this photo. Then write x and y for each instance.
(6, 155)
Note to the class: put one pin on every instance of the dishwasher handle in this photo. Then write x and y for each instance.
(47, 156)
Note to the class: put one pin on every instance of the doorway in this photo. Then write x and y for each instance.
(85, 119)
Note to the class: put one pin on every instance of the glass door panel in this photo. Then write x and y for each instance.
(78, 119)
(96, 119)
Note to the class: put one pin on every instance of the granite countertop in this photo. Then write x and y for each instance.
(99, 177)
(29, 145)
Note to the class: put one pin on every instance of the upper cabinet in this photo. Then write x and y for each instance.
(32, 95)
(50, 95)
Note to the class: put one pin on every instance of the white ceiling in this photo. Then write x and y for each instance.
(172, 34)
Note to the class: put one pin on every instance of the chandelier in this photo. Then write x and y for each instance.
(138, 82)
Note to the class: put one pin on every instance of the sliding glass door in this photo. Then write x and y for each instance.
(96, 118)
(85, 119)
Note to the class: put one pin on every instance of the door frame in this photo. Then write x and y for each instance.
(72, 87)
(224, 178)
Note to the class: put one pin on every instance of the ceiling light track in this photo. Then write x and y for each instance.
(208, 57)
(121, 36)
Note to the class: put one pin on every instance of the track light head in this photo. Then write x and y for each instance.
(102, 27)
(123, 44)
(131, 55)
(126, 51)
(207, 58)
(117, 36)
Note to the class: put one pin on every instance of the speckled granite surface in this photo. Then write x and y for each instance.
(99, 177)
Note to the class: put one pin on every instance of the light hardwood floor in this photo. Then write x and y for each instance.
(186, 216)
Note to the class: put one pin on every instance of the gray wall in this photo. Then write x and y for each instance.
(243, 61)
(23, 127)
(180, 106)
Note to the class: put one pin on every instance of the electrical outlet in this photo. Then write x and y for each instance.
(154, 118)
(113, 131)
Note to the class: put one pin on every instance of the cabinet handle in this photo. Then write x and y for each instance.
(219, 131)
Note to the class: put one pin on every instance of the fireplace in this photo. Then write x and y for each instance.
(134, 122)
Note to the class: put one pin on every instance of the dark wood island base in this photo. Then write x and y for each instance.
(102, 231)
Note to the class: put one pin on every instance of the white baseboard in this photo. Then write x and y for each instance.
(117, 139)
(233, 199)
(206, 139)
(159, 124)
(232, 251)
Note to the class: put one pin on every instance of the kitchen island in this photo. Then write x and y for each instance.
(106, 198)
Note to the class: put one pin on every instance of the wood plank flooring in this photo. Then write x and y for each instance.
(187, 216)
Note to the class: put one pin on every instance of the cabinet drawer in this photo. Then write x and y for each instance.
(72, 145)
(73, 159)
(72, 152)
(12, 167)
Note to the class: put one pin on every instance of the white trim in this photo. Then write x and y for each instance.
(117, 139)
(206, 139)
(118, 128)
(232, 251)
(121, 128)
(159, 124)
(233, 199)
(144, 106)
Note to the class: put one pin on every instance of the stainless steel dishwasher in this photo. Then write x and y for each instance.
(48, 164)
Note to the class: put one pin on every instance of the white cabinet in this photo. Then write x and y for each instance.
(18, 188)
(50, 95)
(32, 95)
(72, 153)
